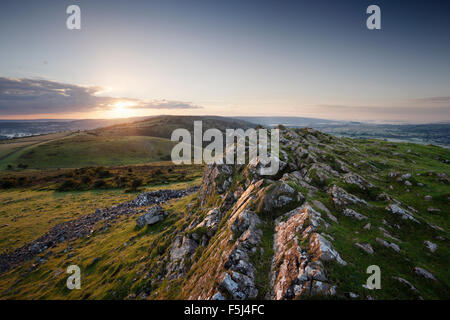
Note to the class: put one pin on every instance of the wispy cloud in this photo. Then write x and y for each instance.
(445, 100)
(419, 113)
(35, 96)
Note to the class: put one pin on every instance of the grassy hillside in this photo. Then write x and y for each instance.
(113, 257)
(86, 149)
(120, 261)
(163, 126)
(10, 147)
(123, 144)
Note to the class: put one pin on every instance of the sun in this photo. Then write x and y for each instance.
(121, 109)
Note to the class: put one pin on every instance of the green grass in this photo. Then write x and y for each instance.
(123, 260)
(84, 149)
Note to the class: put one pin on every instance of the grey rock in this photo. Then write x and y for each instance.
(430, 245)
(353, 178)
(343, 198)
(154, 215)
(388, 244)
(353, 214)
(424, 273)
(404, 281)
(403, 213)
(218, 296)
(366, 247)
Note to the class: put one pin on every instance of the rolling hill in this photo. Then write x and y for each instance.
(122, 144)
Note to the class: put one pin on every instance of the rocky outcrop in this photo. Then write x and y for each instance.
(356, 179)
(180, 253)
(402, 213)
(299, 255)
(342, 198)
(211, 221)
(353, 214)
(217, 179)
(278, 196)
(238, 281)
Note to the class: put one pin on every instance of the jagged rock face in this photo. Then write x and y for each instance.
(237, 204)
(239, 279)
(239, 239)
(180, 252)
(217, 179)
(356, 179)
(211, 221)
(277, 196)
(299, 252)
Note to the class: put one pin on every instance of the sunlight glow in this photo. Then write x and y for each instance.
(121, 109)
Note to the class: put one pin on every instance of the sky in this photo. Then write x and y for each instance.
(231, 58)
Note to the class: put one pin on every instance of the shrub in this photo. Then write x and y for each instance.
(7, 183)
(135, 184)
(99, 183)
(86, 179)
(68, 185)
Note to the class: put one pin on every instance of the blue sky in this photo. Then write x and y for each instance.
(248, 57)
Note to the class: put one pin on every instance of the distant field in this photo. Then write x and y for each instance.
(10, 147)
(83, 149)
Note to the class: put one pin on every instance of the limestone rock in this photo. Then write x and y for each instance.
(342, 198)
(424, 273)
(403, 213)
(430, 245)
(366, 247)
(388, 244)
(153, 215)
(353, 214)
(353, 178)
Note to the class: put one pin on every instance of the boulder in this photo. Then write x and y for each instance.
(388, 244)
(342, 198)
(353, 214)
(355, 179)
(424, 273)
(152, 216)
(278, 196)
(403, 213)
(430, 246)
(366, 247)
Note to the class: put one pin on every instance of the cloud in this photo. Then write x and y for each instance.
(39, 96)
(167, 104)
(412, 113)
(434, 100)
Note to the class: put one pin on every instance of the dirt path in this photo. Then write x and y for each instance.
(31, 145)
(83, 226)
